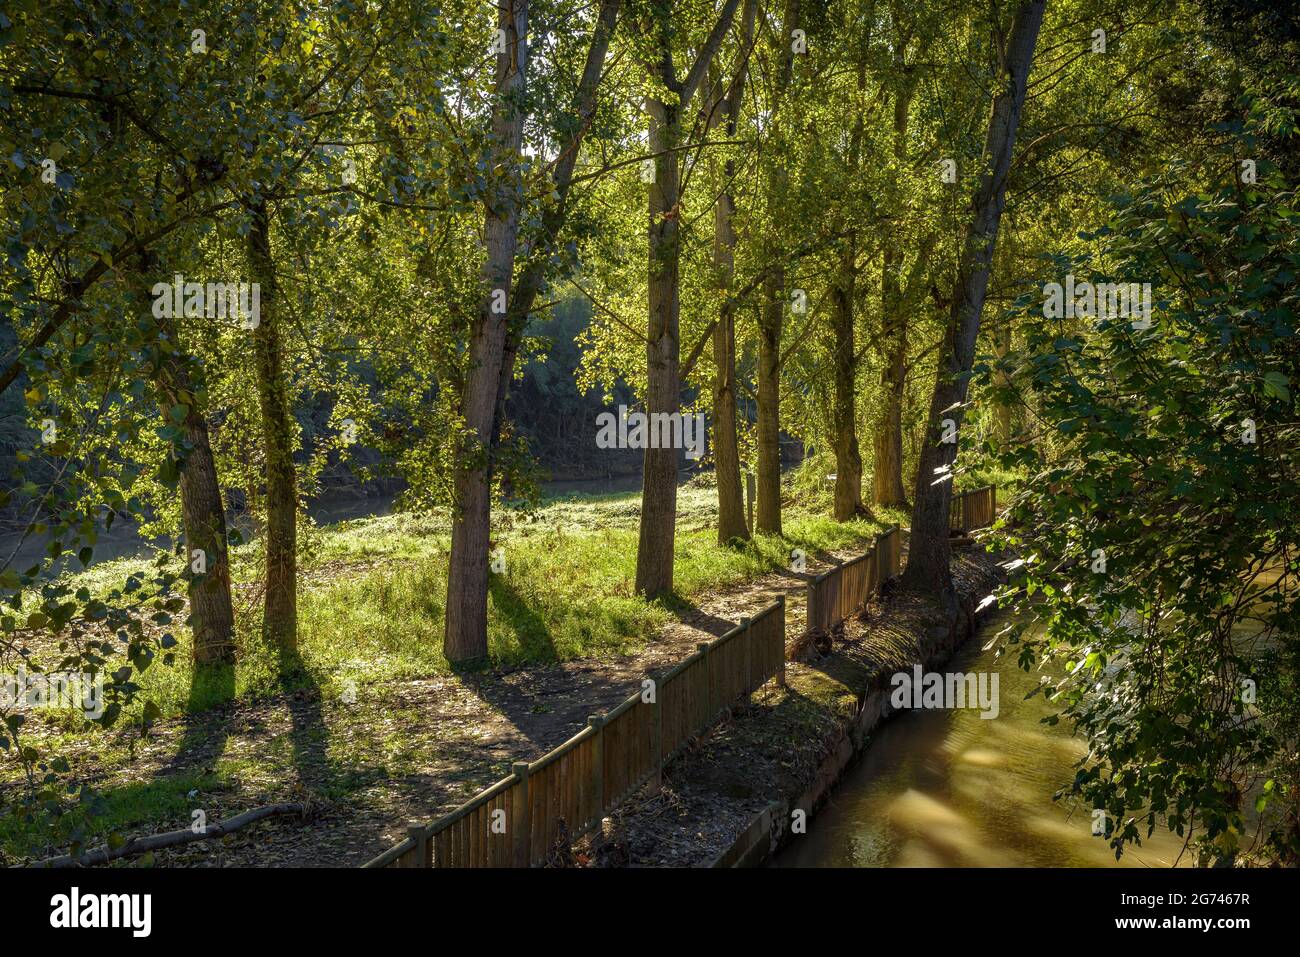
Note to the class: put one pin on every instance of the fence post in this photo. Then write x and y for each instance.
(521, 818)
(706, 665)
(780, 657)
(417, 833)
(748, 638)
(657, 781)
(597, 723)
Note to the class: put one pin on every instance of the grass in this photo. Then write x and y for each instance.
(371, 601)
(372, 593)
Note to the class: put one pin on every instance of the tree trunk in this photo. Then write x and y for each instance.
(887, 436)
(768, 490)
(726, 453)
(212, 617)
(202, 513)
(772, 317)
(928, 550)
(465, 637)
(280, 610)
(848, 461)
(654, 557)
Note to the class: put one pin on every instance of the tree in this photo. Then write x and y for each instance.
(732, 524)
(1158, 523)
(928, 549)
(666, 106)
(772, 315)
(466, 627)
(496, 336)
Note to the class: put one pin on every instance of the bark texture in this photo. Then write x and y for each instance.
(928, 549)
(657, 534)
(726, 453)
(280, 606)
(772, 318)
(465, 637)
(203, 514)
(848, 460)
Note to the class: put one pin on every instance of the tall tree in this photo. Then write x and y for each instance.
(467, 578)
(928, 550)
(539, 250)
(772, 315)
(887, 436)
(280, 606)
(847, 502)
(654, 557)
(726, 453)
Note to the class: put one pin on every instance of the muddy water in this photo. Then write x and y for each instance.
(950, 789)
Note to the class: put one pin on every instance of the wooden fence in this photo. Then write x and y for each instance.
(564, 794)
(836, 594)
(974, 509)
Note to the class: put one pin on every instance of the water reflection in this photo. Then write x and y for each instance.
(948, 789)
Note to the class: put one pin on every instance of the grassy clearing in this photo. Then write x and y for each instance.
(371, 607)
(371, 602)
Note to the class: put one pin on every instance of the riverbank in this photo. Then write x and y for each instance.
(375, 731)
(730, 799)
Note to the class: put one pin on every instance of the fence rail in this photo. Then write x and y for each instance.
(838, 593)
(564, 794)
(974, 509)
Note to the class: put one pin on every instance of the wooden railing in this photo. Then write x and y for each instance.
(836, 594)
(564, 794)
(974, 509)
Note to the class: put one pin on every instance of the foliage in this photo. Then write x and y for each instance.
(1158, 529)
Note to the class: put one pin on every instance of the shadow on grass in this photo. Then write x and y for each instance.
(209, 714)
(123, 809)
(531, 630)
(543, 704)
(212, 713)
(308, 735)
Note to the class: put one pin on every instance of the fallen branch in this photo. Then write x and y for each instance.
(139, 845)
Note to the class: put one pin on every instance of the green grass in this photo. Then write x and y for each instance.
(371, 601)
(977, 477)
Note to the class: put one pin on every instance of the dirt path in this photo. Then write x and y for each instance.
(402, 752)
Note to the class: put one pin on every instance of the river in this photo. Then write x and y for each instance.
(938, 788)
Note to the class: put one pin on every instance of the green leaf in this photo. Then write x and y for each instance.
(1277, 385)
